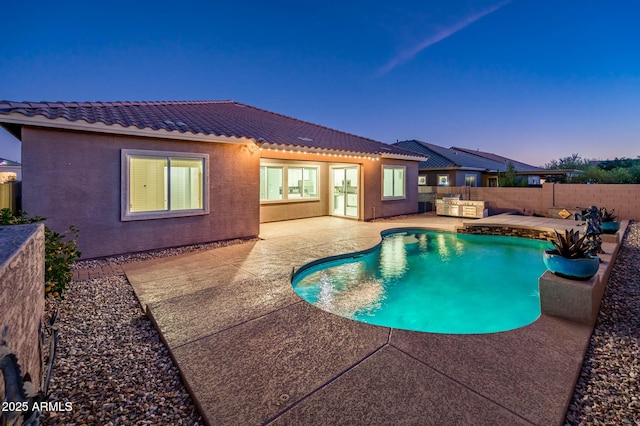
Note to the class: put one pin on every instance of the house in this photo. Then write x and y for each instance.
(465, 167)
(10, 171)
(136, 176)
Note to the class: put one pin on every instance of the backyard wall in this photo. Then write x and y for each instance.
(74, 178)
(22, 295)
(625, 199)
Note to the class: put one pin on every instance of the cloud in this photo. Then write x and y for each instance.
(439, 36)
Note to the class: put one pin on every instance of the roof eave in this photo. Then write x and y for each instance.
(404, 156)
(303, 149)
(473, 169)
(530, 172)
(85, 126)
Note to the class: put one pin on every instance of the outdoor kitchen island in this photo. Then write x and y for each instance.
(453, 205)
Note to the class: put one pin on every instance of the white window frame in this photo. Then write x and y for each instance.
(446, 180)
(404, 178)
(282, 189)
(303, 169)
(125, 210)
(285, 182)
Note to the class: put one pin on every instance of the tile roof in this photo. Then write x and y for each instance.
(440, 157)
(215, 118)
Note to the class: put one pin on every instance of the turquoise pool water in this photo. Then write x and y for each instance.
(438, 282)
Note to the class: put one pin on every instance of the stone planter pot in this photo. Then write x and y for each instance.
(573, 269)
(610, 227)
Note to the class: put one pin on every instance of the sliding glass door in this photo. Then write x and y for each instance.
(345, 191)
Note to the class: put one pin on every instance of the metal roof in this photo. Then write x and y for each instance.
(462, 158)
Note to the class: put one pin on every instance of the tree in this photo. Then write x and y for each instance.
(618, 171)
(509, 177)
(572, 162)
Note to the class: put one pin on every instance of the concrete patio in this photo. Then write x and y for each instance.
(252, 352)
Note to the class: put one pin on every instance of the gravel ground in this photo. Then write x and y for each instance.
(608, 390)
(113, 368)
(111, 364)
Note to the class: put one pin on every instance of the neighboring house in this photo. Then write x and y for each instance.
(135, 176)
(10, 171)
(465, 167)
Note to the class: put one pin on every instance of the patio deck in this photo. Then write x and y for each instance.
(252, 352)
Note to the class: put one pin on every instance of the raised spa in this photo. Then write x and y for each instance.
(431, 281)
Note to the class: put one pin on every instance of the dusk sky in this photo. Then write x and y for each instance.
(533, 80)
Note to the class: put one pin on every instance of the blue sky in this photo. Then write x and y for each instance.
(533, 80)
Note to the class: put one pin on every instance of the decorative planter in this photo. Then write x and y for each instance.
(573, 269)
(610, 227)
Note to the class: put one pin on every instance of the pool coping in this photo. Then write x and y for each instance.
(489, 382)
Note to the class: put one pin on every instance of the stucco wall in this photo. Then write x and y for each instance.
(625, 199)
(371, 204)
(461, 176)
(275, 211)
(73, 178)
(432, 177)
(22, 294)
(374, 206)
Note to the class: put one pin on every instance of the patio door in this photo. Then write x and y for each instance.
(345, 191)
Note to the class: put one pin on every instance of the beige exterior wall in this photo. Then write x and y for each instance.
(371, 204)
(73, 178)
(272, 211)
(625, 199)
(374, 206)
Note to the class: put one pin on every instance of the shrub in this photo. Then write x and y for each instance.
(60, 252)
(570, 245)
(608, 216)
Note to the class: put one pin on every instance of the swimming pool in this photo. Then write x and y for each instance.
(431, 281)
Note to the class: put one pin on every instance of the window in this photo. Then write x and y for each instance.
(301, 183)
(271, 183)
(422, 180)
(469, 180)
(393, 182)
(443, 180)
(158, 184)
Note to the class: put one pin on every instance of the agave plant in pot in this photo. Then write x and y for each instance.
(570, 257)
(609, 223)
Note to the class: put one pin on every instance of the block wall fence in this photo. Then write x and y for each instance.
(625, 199)
(22, 295)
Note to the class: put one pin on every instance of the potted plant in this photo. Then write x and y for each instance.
(609, 223)
(570, 257)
